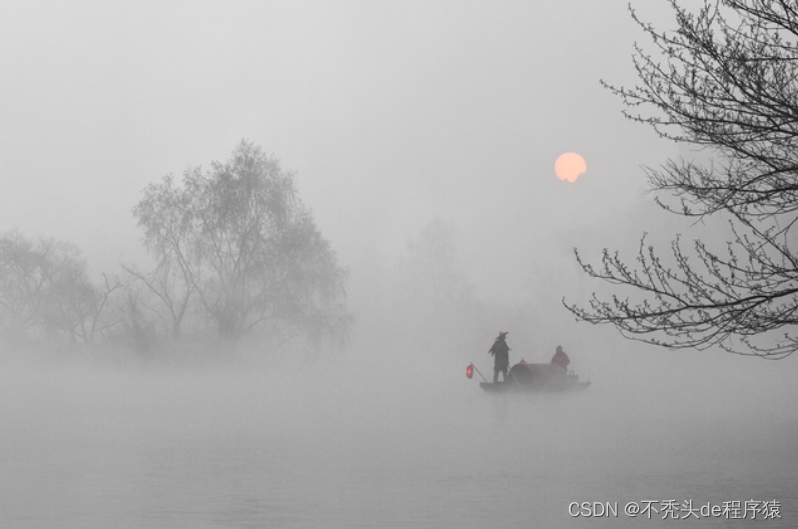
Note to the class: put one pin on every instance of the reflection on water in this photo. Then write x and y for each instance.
(210, 450)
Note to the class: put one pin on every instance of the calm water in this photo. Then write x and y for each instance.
(245, 448)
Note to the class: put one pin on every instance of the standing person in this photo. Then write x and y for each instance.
(561, 359)
(501, 357)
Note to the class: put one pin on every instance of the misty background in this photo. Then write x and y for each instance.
(423, 136)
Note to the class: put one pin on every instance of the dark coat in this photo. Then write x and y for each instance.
(561, 359)
(501, 354)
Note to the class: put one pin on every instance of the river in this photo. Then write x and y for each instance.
(227, 447)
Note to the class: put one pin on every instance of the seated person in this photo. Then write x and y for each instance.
(561, 359)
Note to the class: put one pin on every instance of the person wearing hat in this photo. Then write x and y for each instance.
(560, 358)
(501, 357)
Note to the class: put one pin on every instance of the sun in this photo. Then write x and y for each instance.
(569, 166)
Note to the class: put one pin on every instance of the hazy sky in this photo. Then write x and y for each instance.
(391, 113)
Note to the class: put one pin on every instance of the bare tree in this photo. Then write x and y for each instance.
(45, 290)
(725, 80)
(172, 288)
(22, 285)
(244, 246)
(138, 321)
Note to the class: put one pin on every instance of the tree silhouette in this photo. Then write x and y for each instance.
(239, 241)
(725, 80)
(45, 291)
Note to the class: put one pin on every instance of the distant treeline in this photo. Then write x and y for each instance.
(235, 250)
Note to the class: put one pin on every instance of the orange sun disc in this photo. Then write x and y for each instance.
(569, 166)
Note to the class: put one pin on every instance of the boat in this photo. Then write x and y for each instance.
(534, 378)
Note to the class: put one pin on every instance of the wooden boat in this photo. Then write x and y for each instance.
(543, 378)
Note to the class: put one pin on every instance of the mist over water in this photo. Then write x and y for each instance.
(401, 117)
(399, 439)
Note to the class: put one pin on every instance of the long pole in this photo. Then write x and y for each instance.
(514, 378)
(480, 373)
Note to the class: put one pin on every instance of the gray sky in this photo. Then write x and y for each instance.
(391, 113)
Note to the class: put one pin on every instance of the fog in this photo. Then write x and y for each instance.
(397, 118)
(384, 437)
